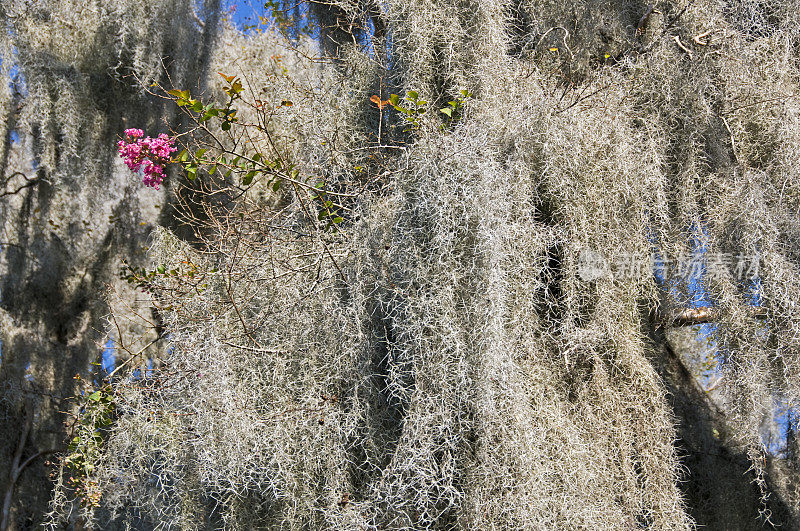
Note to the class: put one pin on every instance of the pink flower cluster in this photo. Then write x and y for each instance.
(147, 154)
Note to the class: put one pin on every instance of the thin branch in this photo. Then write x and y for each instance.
(15, 465)
(707, 314)
(28, 183)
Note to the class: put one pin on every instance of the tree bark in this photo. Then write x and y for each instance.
(718, 484)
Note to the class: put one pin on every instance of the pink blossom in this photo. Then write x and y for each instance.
(147, 154)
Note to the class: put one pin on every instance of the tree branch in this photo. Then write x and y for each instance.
(28, 183)
(16, 467)
(707, 314)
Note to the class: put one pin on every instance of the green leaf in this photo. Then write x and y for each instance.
(183, 97)
(394, 99)
(197, 105)
(94, 397)
(448, 111)
(200, 153)
(337, 220)
(247, 179)
(276, 185)
(413, 95)
(161, 269)
(226, 126)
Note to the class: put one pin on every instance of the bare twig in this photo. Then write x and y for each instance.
(682, 47)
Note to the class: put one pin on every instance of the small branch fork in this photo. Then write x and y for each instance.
(18, 466)
(27, 184)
